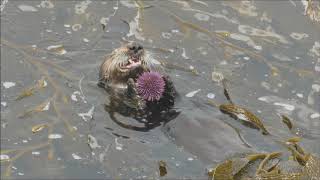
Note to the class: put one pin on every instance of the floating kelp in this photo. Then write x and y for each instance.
(278, 175)
(238, 112)
(30, 91)
(243, 114)
(44, 106)
(295, 130)
(312, 167)
(162, 168)
(222, 171)
(287, 121)
(310, 163)
(294, 140)
(38, 127)
(25, 93)
(230, 169)
(262, 164)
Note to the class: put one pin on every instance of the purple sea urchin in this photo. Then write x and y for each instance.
(150, 86)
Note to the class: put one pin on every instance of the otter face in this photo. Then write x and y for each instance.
(124, 61)
(134, 53)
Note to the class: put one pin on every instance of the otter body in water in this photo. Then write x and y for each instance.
(118, 75)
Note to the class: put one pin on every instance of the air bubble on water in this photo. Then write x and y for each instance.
(300, 95)
(315, 50)
(314, 115)
(119, 146)
(76, 27)
(217, 76)
(281, 57)
(59, 49)
(128, 4)
(3, 103)
(81, 7)
(76, 157)
(317, 66)
(35, 153)
(46, 4)
(190, 159)
(88, 115)
(85, 40)
(27, 8)
(183, 54)
(251, 31)
(8, 84)
(211, 95)
(201, 17)
(288, 107)
(298, 36)
(192, 93)
(245, 39)
(46, 107)
(166, 35)
(55, 136)
(4, 157)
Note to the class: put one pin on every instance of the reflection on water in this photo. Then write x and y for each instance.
(53, 119)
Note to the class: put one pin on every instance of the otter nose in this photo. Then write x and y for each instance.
(135, 47)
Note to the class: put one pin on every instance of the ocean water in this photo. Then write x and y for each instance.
(269, 53)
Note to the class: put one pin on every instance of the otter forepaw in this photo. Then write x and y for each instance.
(131, 88)
(134, 100)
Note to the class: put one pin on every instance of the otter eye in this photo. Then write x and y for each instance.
(139, 47)
(131, 47)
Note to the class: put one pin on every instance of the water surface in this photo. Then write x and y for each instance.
(268, 51)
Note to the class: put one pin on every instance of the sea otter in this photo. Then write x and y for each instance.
(118, 76)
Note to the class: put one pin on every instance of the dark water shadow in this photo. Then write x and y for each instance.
(149, 119)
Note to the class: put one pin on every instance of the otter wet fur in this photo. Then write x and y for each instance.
(118, 76)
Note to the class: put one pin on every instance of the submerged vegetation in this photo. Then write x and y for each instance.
(298, 165)
(238, 112)
(57, 97)
(53, 114)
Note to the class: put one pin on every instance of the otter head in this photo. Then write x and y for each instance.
(134, 53)
(123, 62)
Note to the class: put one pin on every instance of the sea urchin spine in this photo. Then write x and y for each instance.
(150, 86)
